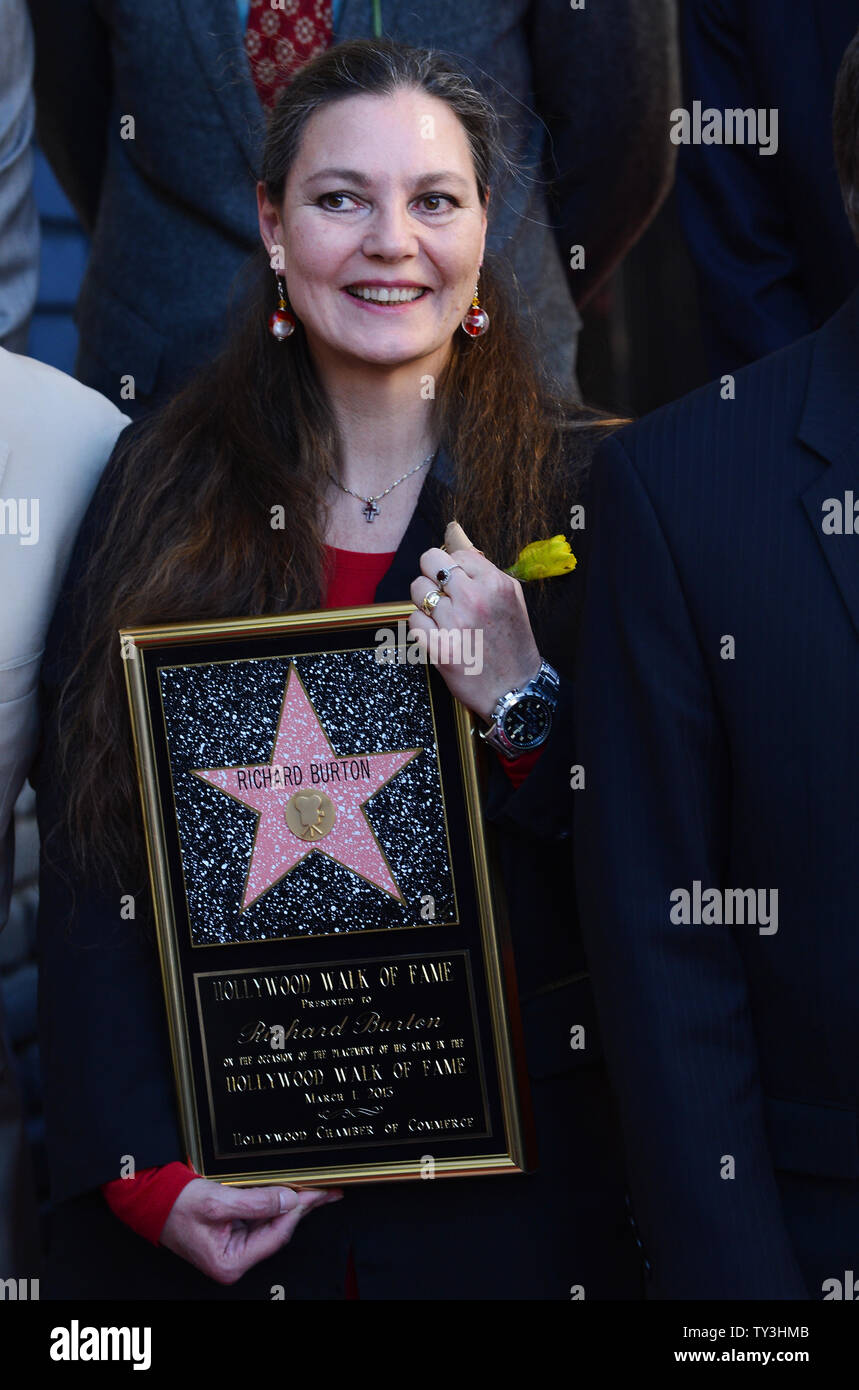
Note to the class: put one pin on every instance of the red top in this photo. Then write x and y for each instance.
(354, 576)
(144, 1202)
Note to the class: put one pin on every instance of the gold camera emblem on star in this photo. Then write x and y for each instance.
(310, 815)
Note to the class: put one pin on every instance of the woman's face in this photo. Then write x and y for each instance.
(382, 229)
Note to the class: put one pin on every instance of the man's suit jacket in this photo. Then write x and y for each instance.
(55, 437)
(767, 233)
(172, 212)
(718, 693)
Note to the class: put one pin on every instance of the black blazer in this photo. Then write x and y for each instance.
(108, 1081)
(736, 766)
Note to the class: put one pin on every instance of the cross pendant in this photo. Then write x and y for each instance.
(371, 511)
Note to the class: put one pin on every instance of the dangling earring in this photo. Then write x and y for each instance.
(281, 324)
(476, 320)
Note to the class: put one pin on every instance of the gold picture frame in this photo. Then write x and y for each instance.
(191, 686)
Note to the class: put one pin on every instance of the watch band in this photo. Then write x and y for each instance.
(545, 685)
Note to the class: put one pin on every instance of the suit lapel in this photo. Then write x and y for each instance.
(830, 427)
(215, 35)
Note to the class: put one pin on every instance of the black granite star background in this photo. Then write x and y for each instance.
(225, 715)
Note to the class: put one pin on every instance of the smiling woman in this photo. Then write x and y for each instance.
(380, 253)
(251, 492)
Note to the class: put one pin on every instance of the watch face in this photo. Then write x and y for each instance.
(527, 723)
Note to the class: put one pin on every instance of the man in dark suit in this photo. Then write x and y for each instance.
(170, 200)
(717, 836)
(766, 232)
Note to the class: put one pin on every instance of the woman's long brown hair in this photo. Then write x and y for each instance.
(193, 487)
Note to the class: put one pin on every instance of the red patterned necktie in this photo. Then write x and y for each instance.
(281, 38)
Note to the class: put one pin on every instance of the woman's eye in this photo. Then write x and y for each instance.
(437, 202)
(337, 202)
(432, 203)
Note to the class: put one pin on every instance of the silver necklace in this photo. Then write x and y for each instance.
(370, 510)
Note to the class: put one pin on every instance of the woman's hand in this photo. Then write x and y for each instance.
(224, 1231)
(495, 651)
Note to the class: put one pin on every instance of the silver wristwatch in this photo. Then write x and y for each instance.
(522, 719)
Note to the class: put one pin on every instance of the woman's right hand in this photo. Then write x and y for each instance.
(225, 1231)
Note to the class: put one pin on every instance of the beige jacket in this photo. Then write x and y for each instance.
(55, 438)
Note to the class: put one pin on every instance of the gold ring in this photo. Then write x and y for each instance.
(431, 600)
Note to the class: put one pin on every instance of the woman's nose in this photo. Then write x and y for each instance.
(391, 234)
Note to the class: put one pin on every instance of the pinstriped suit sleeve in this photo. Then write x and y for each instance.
(672, 999)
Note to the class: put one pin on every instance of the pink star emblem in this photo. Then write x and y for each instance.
(319, 791)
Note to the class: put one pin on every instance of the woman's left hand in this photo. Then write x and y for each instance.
(495, 650)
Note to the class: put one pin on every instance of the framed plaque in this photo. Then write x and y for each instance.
(337, 973)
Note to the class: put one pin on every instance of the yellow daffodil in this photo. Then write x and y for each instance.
(543, 559)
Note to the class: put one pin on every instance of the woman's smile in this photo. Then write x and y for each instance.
(389, 296)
